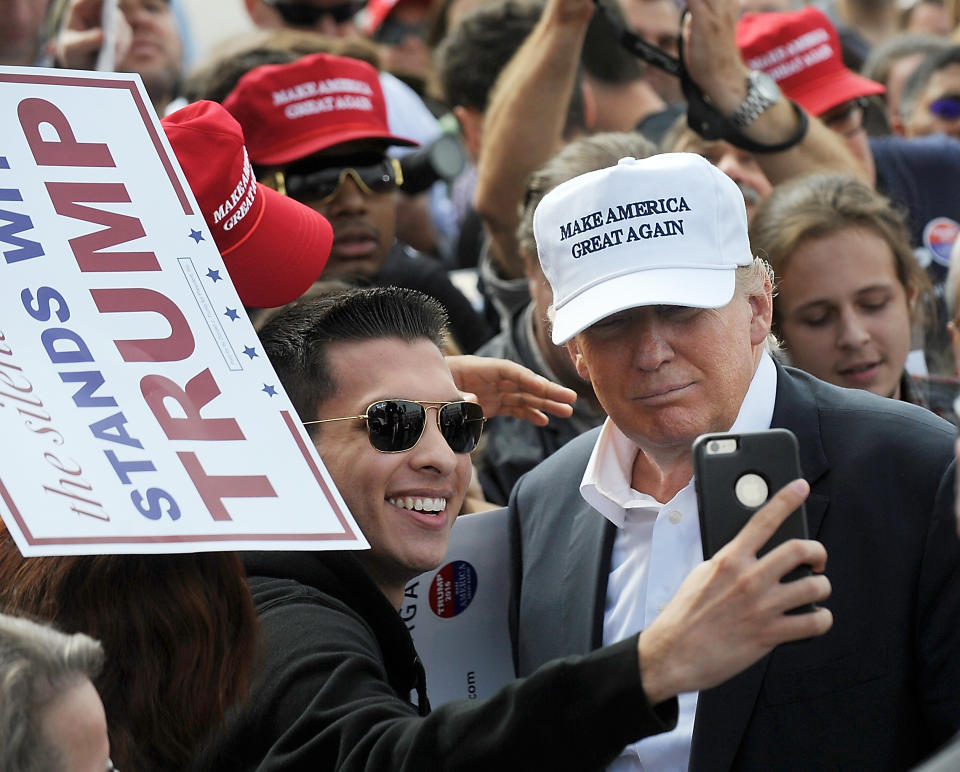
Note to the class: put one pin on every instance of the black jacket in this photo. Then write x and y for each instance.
(338, 667)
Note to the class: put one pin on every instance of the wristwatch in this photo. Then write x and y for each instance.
(762, 92)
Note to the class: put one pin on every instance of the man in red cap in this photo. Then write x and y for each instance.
(317, 131)
(800, 51)
(273, 246)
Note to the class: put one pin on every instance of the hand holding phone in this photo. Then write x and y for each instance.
(735, 475)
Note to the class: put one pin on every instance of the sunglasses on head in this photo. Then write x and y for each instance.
(324, 184)
(946, 108)
(396, 425)
(307, 15)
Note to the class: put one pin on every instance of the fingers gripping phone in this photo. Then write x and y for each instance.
(735, 475)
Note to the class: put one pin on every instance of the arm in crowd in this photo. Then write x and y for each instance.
(327, 704)
(524, 122)
(714, 63)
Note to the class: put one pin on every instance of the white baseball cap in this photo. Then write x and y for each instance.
(670, 229)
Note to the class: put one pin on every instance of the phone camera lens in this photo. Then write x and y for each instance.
(714, 447)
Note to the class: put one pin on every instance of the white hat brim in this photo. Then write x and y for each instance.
(699, 287)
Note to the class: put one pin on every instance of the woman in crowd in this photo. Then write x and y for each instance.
(179, 633)
(850, 292)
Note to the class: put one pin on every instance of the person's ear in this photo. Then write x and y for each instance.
(761, 314)
(576, 355)
(471, 127)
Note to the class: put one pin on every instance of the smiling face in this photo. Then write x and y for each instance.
(666, 374)
(386, 492)
(843, 313)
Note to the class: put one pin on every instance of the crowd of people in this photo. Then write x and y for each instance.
(522, 254)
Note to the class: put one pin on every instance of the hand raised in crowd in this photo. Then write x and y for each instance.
(502, 387)
(730, 611)
(79, 40)
(710, 51)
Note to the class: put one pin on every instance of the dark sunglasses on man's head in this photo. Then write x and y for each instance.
(946, 108)
(323, 184)
(307, 14)
(396, 425)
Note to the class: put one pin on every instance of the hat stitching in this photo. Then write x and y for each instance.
(252, 227)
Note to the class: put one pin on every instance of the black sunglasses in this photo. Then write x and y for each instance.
(396, 425)
(307, 15)
(323, 184)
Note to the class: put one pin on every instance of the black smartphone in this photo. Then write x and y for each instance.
(735, 475)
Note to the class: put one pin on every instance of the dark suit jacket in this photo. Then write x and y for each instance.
(881, 690)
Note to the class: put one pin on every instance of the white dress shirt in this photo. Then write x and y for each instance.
(657, 544)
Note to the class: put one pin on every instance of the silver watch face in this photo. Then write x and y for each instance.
(766, 86)
(762, 92)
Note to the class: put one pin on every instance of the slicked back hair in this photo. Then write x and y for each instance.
(37, 663)
(297, 338)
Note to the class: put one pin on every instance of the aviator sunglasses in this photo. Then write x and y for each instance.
(307, 15)
(323, 184)
(396, 425)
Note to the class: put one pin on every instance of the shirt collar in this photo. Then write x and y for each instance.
(606, 481)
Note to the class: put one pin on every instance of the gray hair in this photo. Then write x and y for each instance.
(37, 663)
(578, 157)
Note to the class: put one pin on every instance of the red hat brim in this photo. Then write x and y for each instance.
(283, 254)
(307, 144)
(835, 88)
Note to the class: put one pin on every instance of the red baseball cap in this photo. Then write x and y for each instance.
(375, 13)
(801, 51)
(290, 111)
(273, 247)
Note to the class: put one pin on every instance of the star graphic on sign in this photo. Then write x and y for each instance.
(270, 390)
(197, 236)
(231, 314)
(215, 275)
(250, 351)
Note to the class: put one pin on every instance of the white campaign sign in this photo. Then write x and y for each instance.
(458, 614)
(138, 413)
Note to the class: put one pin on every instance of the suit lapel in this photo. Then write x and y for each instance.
(723, 713)
(796, 409)
(587, 567)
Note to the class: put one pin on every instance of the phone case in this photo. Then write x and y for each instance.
(736, 474)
